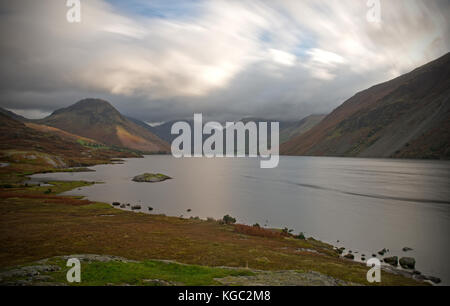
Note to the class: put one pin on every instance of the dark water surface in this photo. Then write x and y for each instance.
(366, 204)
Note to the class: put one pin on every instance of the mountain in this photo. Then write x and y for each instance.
(407, 117)
(20, 143)
(164, 130)
(99, 120)
(300, 127)
(12, 115)
(288, 129)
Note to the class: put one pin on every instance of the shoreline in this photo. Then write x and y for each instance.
(302, 252)
(385, 266)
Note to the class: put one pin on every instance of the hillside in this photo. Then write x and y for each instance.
(61, 133)
(22, 144)
(288, 129)
(99, 120)
(298, 128)
(163, 131)
(406, 117)
(12, 115)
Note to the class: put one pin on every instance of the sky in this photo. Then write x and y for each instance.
(161, 60)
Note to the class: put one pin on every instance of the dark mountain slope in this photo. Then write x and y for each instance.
(300, 127)
(405, 117)
(12, 115)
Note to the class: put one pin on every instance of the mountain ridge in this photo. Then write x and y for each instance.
(99, 120)
(387, 119)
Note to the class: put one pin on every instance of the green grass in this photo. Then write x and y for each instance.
(135, 273)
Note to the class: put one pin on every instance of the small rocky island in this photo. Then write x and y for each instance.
(151, 178)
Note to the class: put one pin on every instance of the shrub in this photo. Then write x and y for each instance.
(256, 231)
(287, 231)
(301, 236)
(228, 219)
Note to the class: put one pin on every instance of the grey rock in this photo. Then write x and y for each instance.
(407, 263)
(349, 256)
(151, 178)
(433, 279)
(382, 252)
(157, 282)
(393, 261)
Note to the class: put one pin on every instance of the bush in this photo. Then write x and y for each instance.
(287, 231)
(48, 191)
(301, 236)
(229, 220)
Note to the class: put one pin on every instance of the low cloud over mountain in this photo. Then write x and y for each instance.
(162, 60)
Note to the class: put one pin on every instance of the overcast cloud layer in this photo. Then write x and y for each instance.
(163, 60)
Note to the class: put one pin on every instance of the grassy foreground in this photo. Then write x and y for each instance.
(36, 223)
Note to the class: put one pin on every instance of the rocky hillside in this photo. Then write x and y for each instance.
(99, 120)
(406, 117)
(295, 129)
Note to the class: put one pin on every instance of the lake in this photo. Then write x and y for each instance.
(366, 204)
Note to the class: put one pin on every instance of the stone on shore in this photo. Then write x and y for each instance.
(408, 263)
(393, 261)
(349, 256)
(382, 252)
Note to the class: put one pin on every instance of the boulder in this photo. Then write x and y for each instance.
(151, 178)
(382, 252)
(408, 263)
(406, 249)
(115, 203)
(433, 279)
(393, 261)
(136, 207)
(349, 256)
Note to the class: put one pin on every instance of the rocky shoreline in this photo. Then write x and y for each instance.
(391, 263)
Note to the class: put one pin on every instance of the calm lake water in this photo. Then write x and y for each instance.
(366, 204)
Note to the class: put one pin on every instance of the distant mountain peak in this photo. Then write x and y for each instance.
(97, 119)
(89, 105)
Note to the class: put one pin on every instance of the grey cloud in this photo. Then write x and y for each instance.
(277, 59)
